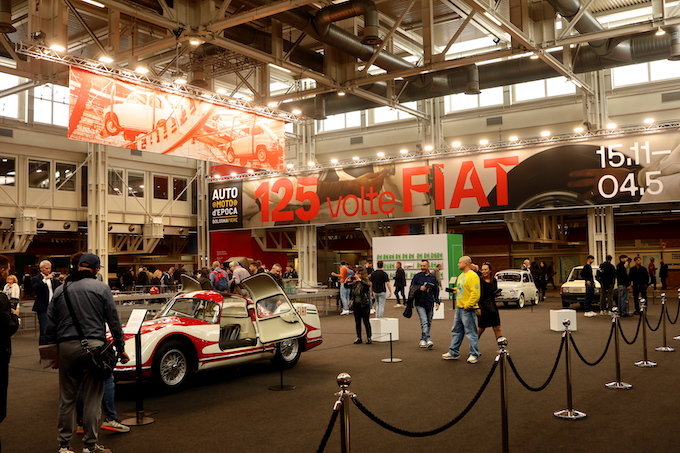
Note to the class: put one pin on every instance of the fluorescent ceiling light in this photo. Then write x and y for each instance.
(57, 47)
(106, 59)
(279, 68)
(142, 69)
(94, 3)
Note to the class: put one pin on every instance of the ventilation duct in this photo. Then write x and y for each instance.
(352, 8)
(6, 17)
(472, 84)
(675, 42)
(320, 107)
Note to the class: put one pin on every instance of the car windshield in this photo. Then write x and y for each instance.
(508, 277)
(204, 310)
(576, 274)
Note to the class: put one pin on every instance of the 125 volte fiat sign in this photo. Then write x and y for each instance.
(628, 169)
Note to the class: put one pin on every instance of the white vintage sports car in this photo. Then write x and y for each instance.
(199, 330)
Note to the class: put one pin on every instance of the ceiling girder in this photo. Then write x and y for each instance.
(258, 13)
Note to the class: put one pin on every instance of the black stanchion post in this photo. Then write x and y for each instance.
(677, 337)
(502, 361)
(281, 387)
(139, 419)
(644, 363)
(617, 384)
(569, 413)
(391, 359)
(665, 347)
(344, 380)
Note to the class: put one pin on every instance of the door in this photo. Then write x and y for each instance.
(276, 317)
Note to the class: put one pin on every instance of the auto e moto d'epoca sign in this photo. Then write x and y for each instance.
(641, 168)
(109, 111)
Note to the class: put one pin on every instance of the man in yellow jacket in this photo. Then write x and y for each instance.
(468, 292)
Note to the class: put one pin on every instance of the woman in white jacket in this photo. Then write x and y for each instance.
(13, 290)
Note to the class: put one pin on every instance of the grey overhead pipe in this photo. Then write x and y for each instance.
(674, 32)
(333, 13)
(6, 17)
(472, 83)
(586, 24)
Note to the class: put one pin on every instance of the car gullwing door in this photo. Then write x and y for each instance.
(277, 319)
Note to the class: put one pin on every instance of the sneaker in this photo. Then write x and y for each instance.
(398, 306)
(372, 311)
(96, 449)
(65, 450)
(79, 429)
(344, 312)
(472, 359)
(449, 356)
(113, 424)
(430, 344)
(422, 344)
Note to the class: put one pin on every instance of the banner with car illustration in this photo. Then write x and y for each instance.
(641, 168)
(112, 112)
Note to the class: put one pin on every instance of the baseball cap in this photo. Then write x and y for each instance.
(89, 260)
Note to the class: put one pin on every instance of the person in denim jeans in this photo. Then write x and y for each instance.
(381, 283)
(468, 292)
(346, 271)
(623, 280)
(424, 300)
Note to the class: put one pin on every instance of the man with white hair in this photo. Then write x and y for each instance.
(238, 272)
(43, 286)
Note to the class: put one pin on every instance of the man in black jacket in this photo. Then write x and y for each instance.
(639, 279)
(44, 284)
(587, 276)
(9, 323)
(623, 281)
(399, 285)
(94, 308)
(607, 277)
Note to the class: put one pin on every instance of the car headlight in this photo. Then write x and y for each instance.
(565, 290)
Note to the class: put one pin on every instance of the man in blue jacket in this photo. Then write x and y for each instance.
(424, 286)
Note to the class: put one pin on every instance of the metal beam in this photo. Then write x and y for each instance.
(142, 14)
(456, 35)
(530, 45)
(85, 26)
(625, 30)
(258, 13)
(574, 20)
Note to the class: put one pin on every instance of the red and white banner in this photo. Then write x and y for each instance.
(112, 112)
(641, 168)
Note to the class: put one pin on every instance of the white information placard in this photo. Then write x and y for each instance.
(135, 321)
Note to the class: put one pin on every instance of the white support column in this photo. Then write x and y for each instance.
(202, 208)
(307, 257)
(435, 225)
(601, 232)
(97, 210)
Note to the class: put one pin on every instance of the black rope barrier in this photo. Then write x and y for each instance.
(329, 430)
(606, 348)
(432, 432)
(677, 313)
(658, 324)
(552, 373)
(637, 332)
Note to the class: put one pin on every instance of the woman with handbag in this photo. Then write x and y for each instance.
(13, 290)
(360, 302)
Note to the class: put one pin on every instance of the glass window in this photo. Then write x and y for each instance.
(135, 184)
(664, 69)
(461, 101)
(38, 174)
(60, 105)
(116, 182)
(51, 104)
(194, 198)
(9, 105)
(160, 187)
(7, 171)
(491, 96)
(178, 186)
(529, 90)
(339, 121)
(630, 75)
(559, 86)
(386, 113)
(65, 177)
(84, 185)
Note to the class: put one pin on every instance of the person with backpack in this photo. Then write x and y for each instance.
(219, 280)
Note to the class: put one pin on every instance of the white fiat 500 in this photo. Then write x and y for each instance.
(201, 329)
(517, 286)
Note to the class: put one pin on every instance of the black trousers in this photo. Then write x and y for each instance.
(639, 291)
(362, 313)
(400, 290)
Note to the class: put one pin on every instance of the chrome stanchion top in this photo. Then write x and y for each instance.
(502, 343)
(344, 380)
(566, 323)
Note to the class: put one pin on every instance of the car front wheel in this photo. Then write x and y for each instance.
(111, 124)
(520, 301)
(287, 353)
(171, 364)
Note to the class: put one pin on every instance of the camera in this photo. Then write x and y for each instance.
(56, 274)
(448, 290)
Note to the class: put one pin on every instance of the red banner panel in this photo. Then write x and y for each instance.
(112, 112)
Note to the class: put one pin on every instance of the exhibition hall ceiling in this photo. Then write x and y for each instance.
(300, 53)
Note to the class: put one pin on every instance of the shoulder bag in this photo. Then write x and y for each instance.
(102, 359)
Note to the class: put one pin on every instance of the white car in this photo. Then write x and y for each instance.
(517, 286)
(574, 289)
(140, 111)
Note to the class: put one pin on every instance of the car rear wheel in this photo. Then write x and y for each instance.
(261, 153)
(536, 299)
(520, 301)
(111, 124)
(288, 353)
(231, 157)
(171, 364)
